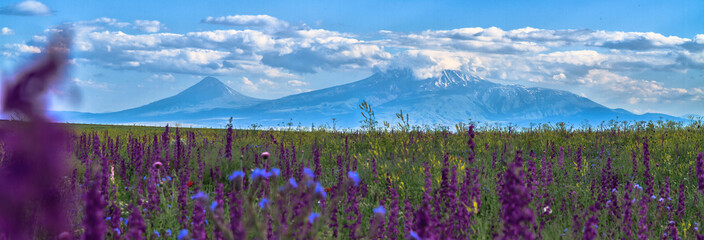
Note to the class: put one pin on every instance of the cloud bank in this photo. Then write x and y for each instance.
(599, 64)
(26, 8)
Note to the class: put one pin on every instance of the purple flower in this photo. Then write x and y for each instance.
(700, 172)
(515, 200)
(93, 222)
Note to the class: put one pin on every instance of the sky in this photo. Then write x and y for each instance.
(642, 56)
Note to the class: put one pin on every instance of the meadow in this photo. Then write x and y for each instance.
(638, 180)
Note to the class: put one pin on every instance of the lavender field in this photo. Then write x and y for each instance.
(643, 180)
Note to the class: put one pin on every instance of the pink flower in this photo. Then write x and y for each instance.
(265, 155)
(157, 165)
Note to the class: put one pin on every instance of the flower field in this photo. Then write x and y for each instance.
(637, 181)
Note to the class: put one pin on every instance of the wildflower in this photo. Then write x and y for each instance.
(319, 189)
(157, 233)
(168, 232)
(263, 203)
(276, 172)
(199, 195)
(379, 210)
(265, 155)
(157, 165)
(190, 183)
(414, 235)
(308, 172)
(235, 174)
(293, 183)
(257, 173)
(547, 210)
(354, 176)
(312, 217)
(213, 205)
(182, 234)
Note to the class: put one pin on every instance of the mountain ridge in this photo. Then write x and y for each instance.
(451, 97)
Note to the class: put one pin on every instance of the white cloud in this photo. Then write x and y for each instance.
(166, 77)
(297, 83)
(249, 84)
(26, 8)
(581, 57)
(22, 48)
(89, 83)
(148, 26)
(6, 31)
(266, 82)
(254, 21)
(618, 87)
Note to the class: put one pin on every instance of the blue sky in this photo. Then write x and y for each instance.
(643, 56)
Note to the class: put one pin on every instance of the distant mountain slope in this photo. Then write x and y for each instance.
(447, 99)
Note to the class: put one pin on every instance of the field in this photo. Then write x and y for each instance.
(624, 181)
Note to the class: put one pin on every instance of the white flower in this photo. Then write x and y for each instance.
(547, 210)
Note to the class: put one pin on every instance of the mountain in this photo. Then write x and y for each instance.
(450, 98)
(207, 94)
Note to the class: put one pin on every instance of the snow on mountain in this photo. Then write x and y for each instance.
(450, 98)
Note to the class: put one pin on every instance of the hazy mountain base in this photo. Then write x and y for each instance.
(445, 100)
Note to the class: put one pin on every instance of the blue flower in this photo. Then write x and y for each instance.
(183, 233)
(312, 217)
(320, 189)
(293, 182)
(235, 174)
(653, 197)
(199, 195)
(107, 218)
(157, 233)
(354, 176)
(672, 222)
(308, 172)
(614, 190)
(263, 203)
(257, 173)
(414, 235)
(118, 231)
(168, 232)
(168, 178)
(213, 205)
(276, 171)
(379, 210)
